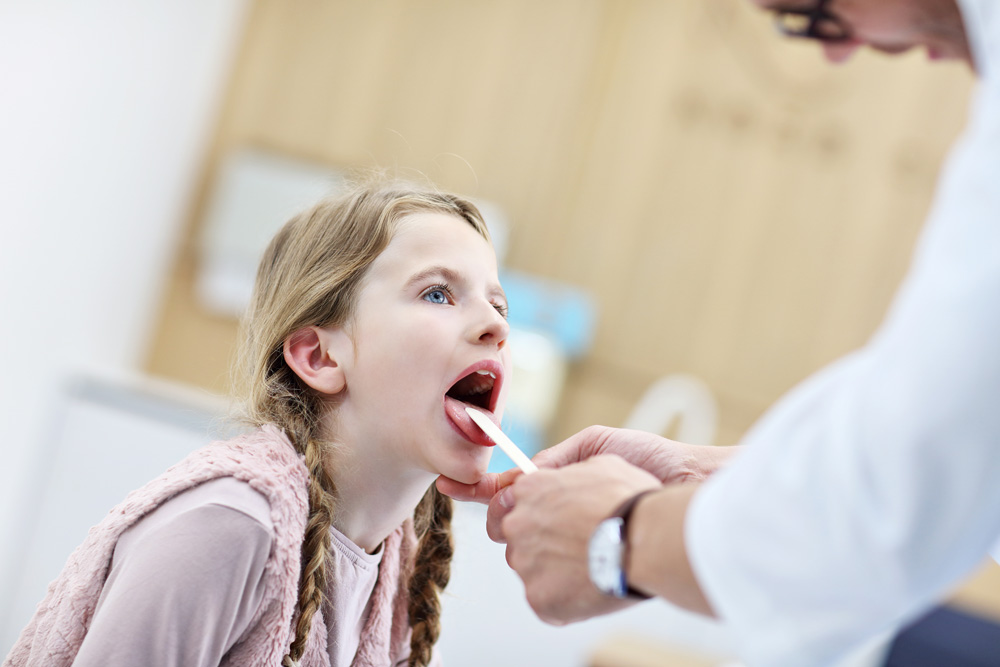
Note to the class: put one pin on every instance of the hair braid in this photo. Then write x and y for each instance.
(430, 575)
(315, 548)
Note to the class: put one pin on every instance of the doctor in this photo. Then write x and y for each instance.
(863, 496)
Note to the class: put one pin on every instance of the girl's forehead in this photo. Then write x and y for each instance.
(436, 232)
(433, 238)
(433, 222)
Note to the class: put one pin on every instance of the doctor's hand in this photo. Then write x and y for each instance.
(668, 460)
(548, 530)
(485, 491)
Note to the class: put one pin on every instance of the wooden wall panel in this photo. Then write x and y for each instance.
(739, 209)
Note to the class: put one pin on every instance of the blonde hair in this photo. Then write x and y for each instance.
(310, 275)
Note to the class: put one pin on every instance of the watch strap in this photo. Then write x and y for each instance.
(623, 512)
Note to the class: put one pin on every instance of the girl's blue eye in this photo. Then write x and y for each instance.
(437, 295)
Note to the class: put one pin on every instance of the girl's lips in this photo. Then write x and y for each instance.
(462, 422)
(455, 409)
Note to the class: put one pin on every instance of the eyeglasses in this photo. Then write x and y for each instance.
(816, 23)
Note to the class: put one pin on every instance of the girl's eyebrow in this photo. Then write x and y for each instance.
(436, 271)
(449, 276)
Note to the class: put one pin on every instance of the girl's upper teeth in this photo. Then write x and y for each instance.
(486, 372)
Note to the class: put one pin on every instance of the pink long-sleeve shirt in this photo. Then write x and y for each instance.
(186, 581)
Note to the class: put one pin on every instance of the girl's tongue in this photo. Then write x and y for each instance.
(455, 410)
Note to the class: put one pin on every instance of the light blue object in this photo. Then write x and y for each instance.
(527, 438)
(563, 312)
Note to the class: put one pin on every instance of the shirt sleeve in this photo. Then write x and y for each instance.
(181, 591)
(873, 489)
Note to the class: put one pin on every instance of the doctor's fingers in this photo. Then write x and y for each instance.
(522, 489)
(655, 454)
(495, 514)
(526, 551)
(578, 447)
(556, 583)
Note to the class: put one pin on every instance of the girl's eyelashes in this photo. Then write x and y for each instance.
(438, 294)
(442, 294)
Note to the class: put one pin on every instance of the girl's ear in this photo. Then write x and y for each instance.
(309, 353)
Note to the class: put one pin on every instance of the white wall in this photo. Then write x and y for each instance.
(105, 110)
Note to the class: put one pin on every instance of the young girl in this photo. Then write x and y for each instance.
(318, 538)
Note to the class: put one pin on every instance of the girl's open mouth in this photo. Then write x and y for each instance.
(476, 389)
(479, 387)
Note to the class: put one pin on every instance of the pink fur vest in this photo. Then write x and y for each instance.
(267, 461)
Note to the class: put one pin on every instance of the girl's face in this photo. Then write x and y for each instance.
(429, 336)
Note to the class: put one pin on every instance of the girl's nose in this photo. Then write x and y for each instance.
(493, 328)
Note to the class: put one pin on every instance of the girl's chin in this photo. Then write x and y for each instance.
(469, 474)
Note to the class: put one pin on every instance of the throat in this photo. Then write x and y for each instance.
(474, 389)
(373, 497)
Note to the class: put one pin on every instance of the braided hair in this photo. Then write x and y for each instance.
(431, 574)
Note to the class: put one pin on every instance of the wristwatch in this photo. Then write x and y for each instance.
(607, 552)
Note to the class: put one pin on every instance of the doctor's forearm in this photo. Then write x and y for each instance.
(658, 561)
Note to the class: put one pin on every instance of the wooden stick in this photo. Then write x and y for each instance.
(503, 442)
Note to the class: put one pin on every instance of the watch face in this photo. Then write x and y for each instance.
(605, 557)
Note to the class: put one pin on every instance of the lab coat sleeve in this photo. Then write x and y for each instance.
(874, 488)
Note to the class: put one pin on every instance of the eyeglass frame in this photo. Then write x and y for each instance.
(817, 15)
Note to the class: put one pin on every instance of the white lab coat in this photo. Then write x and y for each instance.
(873, 489)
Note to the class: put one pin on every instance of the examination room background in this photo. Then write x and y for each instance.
(735, 210)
